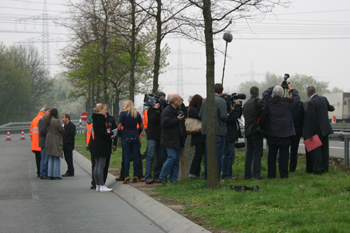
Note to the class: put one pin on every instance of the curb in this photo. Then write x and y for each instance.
(167, 219)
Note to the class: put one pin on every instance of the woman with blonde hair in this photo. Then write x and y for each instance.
(101, 145)
(130, 124)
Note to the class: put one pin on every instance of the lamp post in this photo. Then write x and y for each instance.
(228, 38)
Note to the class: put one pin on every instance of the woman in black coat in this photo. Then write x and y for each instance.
(197, 140)
(101, 145)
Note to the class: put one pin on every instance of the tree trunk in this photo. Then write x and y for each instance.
(104, 69)
(212, 161)
(132, 55)
(116, 103)
(157, 50)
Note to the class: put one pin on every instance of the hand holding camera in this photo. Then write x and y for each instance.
(181, 115)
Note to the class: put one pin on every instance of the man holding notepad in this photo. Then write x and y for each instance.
(317, 123)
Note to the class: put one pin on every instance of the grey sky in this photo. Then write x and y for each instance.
(310, 37)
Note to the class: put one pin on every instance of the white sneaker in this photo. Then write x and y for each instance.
(97, 188)
(103, 188)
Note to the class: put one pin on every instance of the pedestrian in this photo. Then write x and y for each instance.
(68, 144)
(54, 144)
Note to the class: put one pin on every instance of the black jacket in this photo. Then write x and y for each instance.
(298, 118)
(279, 115)
(112, 124)
(316, 117)
(173, 131)
(102, 140)
(69, 136)
(154, 127)
(232, 124)
(250, 111)
(42, 132)
(198, 138)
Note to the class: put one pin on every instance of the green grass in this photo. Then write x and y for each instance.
(301, 203)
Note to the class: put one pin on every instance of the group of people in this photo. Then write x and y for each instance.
(50, 141)
(288, 119)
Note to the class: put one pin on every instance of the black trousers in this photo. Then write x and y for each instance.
(197, 159)
(68, 156)
(320, 156)
(37, 160)
(309, 162)
(294, 146)
(275, 144)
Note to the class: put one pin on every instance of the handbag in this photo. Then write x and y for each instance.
(192, 125)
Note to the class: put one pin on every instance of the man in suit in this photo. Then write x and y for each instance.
(68, 144)
(317, 122)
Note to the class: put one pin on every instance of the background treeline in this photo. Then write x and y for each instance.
(26, 87)
(299, 82)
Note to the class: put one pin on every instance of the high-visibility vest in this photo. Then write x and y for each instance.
(145, 119)
(34, 132)
(89, 131)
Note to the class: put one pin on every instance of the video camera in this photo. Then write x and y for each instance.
(235, 96)
(152, 99)
(285, 83)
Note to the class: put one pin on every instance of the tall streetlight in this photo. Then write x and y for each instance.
(228, 38)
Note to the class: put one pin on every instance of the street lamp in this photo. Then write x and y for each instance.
(228, 38)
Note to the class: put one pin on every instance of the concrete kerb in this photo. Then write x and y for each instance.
(164, 217)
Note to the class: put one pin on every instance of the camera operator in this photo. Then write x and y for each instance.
(254, 138)
(280, 127)
(153, 140)
(233, 133)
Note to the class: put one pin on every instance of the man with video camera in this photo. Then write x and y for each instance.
(153, 139)
(234, 109)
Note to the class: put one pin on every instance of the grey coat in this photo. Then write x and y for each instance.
(220, 116)
(54, 139)
(42, 132)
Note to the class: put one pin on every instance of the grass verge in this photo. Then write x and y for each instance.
(301, 203)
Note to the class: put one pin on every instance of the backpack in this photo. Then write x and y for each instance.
(262, 119)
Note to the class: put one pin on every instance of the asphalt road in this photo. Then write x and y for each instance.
(28, 204)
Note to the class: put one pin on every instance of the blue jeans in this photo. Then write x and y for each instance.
(229, 158)
(171, 164)
(54, 167)
(220, 146)
(131, 147)
(153, 147)
(43, 162)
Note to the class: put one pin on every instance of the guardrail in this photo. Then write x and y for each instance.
(17, 127)
(346, 137)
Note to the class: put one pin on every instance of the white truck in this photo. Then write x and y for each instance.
(341, 102)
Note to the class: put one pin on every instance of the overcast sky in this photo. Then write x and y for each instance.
(309, 37)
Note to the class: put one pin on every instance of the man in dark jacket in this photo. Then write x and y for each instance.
(280, 127)
(233, 133)
(68, 144)
(298, 121)
(173, 136)
(42, 140)
(254, 138)
(317, 122)
(153, 141)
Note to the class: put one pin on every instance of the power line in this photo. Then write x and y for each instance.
(27, 9)
(37, 2)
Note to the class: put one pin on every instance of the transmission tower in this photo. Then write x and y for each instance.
(252, 74)
(180, 68)
(45, 38)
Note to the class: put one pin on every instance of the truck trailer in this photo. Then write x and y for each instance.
(341, 102)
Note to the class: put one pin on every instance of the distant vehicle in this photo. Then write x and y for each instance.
(341, 102)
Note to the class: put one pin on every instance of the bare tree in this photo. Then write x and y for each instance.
(213, 17)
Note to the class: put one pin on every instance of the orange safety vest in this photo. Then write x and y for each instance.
(34, 132)
(145, 119)
(89, 131)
